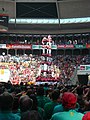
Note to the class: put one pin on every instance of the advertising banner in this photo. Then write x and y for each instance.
(18, 46)
(35, 46)
(4, 75)
(65, 46)
(85, 67)
(40, 46)
(88, 46)
(80, 46)
(54, 46)
(2, 45)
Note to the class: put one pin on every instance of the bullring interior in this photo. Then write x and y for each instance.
(30, 20)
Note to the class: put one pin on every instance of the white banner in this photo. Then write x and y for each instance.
(2, 45)
(4, 75)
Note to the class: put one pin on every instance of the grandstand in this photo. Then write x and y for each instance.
(24, 24)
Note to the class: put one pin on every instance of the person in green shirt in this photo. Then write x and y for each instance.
(69, 101)
(6, 103)
(50, 105)
(35, 106)
(41, 98)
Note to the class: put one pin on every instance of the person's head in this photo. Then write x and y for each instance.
(40, 91)
(25, 103)
(29, 92)
(31, 115)
(69, 100)
(6, 101)
(86, 116)
(35, 103)
(15, 104)
(55, 95)
(80, 91)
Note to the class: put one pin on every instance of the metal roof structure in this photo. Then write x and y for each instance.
(47, 16)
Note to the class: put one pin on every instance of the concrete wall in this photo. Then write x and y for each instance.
(73, 9)
(67, 8)
(36, 0)
(9, 8)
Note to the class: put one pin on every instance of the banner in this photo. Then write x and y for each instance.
(18, 46)
(4, 75)
(84, 67)
(2, 45)
(35, 46)
(83, 70)
(40, 47)
(28, 46)
(54, 46)
(80, 46)
(88, 46)
(65, 46)
(88, 67)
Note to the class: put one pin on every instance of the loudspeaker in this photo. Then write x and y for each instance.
(83, 79)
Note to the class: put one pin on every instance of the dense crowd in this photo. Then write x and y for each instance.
(35, 40)
(44, 102)
(56, 101)
(28, 68)
(67, 65)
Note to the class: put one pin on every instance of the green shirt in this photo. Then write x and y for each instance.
(9, 116)
(42, 100)
(49, 109)
(58, 108)
(67, 115)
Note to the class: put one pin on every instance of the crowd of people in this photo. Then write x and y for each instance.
(24, 68)
(37, 40)
(67, 65)
(22, 99)
(28, 68)
(44, 102)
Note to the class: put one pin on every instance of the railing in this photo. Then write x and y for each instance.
(49, 21)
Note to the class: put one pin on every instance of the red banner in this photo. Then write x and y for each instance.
(88, 46)
(65, 46)
(18, 46)
(2, 14)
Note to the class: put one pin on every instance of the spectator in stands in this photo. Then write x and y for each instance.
(69, 103)
(6, 103)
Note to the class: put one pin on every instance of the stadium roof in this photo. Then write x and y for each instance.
(53, 16)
